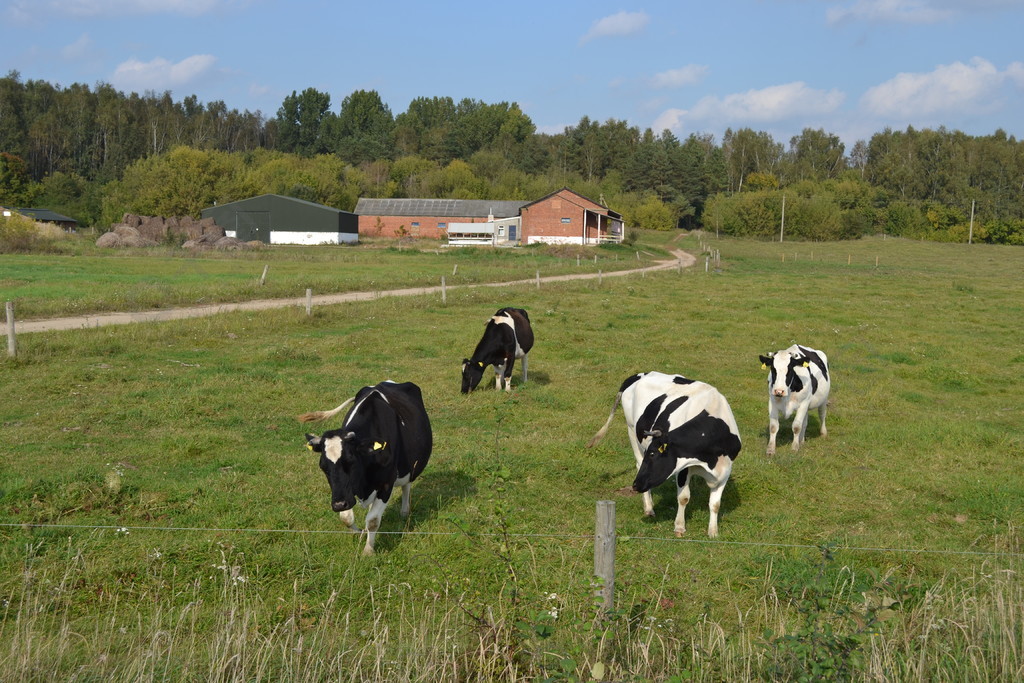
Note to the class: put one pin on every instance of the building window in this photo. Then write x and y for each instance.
(567, 220)
(415, 224)
(501, 231)
(442, 225)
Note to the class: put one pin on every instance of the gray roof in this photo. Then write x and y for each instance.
(469, 208)
(46, 216)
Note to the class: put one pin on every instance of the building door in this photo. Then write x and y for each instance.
(252, 225)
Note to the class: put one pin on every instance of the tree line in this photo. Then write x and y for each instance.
(96, 153)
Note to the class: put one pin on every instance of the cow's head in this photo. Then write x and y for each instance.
(786, 372)
(346, 461)
(472, 372)
(659, 463)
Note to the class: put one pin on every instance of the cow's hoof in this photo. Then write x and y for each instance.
(679, 534)
(367, 551)
(648, 513)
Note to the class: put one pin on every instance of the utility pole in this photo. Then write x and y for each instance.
(782, 225)
(970, 233)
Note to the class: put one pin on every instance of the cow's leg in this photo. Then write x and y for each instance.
(373, 517)
(799, 426)
(524, 369)
(821, 417)
(348, 518)
(499, 373)
(716, 483)
(405, 499)
(682, 497)
(773, 426)
(509, 364)
(639, 455)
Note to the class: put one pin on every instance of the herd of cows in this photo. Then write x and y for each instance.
(674, 424)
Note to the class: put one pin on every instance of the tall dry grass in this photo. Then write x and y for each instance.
(964, 628)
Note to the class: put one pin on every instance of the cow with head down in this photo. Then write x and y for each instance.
(798, 382)
(677, 426)
(384, 441)
(507, 336)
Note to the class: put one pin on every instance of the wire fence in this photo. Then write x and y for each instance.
(549, 536)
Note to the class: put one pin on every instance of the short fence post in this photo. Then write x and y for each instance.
(12, 340)
(455, 269)
(538, 279)
(577, 260)
(604, 553)
(263, 278)
(444, 291)
(707, 260)
(309, 301)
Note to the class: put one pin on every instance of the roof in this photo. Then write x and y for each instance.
(46, 216)
(468, 208)
(612, 214)
(281, 197)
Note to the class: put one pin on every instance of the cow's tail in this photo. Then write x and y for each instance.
(604, 430)
(321, 415)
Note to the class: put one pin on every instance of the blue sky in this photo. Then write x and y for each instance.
(852, 67)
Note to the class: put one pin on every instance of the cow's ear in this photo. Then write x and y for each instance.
(314, 443)
(465, 362)
(766, 361)
(349, 436)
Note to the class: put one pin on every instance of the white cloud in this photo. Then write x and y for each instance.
(161, 74)
(82, 49)
(621, 24)
(889, 11)
(774, 103)
(949, 88)
(671, 119)
(1015, 72)
(676, 78)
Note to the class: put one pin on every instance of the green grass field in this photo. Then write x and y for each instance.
(162, 518)
(83, 279)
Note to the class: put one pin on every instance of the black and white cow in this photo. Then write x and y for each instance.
(385, 440)
(507, 336)
(798, 381)
(677, 425)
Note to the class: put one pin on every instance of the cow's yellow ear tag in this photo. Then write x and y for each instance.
(309, 446)
(378, 445)
(662, 447)
(480, 364)
(806, 364)
(763, 366)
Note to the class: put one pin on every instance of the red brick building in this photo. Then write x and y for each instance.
(562, 217)
(567, 217)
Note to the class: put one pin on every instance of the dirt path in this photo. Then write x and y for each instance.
(101, 319)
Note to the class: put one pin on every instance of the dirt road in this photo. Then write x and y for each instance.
(682, 259)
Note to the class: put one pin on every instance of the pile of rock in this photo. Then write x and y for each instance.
(149, 231)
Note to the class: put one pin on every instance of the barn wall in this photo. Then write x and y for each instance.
(429, 226)
(542, 221)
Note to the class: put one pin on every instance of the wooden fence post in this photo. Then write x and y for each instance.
(538, 279)
(12, 340)
(309, 301)
(263, 278)
(604, 553)
(444, 291)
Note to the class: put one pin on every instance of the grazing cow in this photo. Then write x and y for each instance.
(798, 381)
(507, 336)
(385, 440)
(676, 425)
